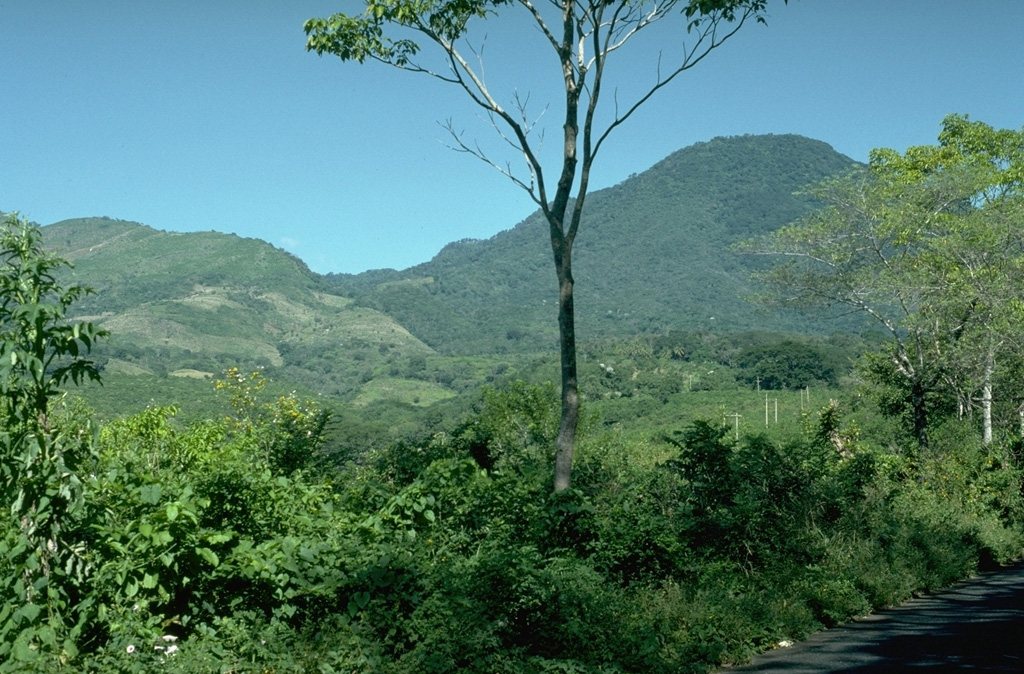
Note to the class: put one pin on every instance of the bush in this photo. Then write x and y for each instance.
(205, 553)
(43, 556)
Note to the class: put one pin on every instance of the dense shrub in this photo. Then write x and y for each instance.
(206, 551)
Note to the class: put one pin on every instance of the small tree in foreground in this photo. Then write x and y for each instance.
(42, 559)
(583, 34)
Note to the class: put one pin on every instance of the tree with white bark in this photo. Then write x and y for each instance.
(930, 245)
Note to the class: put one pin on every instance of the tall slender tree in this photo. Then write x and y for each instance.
(584, 35)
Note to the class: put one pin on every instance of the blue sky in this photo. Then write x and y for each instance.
(209, 114)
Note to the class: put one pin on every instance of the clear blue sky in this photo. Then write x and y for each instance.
(209, 115)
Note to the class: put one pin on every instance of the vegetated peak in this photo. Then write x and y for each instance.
(108, 253)
(769, 147)
(652, 254)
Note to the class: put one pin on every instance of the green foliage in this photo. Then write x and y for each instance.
(926, 244)
(788, 364)
(193, 526)
(749, 502)
(39, 350)
(150, 545)
(513, 420)
(197, 554)
(289, 432)
(43, 560)
(898, 398)
(42, 552)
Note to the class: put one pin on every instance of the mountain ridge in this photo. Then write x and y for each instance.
(652, 257)
(696, 202)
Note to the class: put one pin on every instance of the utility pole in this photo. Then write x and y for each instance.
(736, 418)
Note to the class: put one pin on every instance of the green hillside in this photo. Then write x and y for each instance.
(191, 305)
(653, 258)
(652, 255)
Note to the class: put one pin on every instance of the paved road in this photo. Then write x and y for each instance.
(976, 626)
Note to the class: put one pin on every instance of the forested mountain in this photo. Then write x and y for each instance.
(653, 254)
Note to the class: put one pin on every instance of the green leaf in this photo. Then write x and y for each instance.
(47, 635)
(172, 512)
(23, 651)
(209, 555)
(219, 538)
(151, 493)
(30, 612)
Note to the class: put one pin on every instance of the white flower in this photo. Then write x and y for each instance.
(131, 648)
(171, 648)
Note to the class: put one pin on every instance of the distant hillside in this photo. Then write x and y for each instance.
(130, 264)
(194, 304)
(652, 255)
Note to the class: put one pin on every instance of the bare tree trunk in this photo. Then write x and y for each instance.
(570, 391)
(561, 247)
(919, 408)
(986, 398)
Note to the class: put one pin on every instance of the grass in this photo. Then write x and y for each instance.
(191, 374)
(191, 391)
(412, 391)
(644, 416)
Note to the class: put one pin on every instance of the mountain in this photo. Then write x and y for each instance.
(653, 254)
(195, 304)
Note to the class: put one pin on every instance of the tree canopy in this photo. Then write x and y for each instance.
(928, 243)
